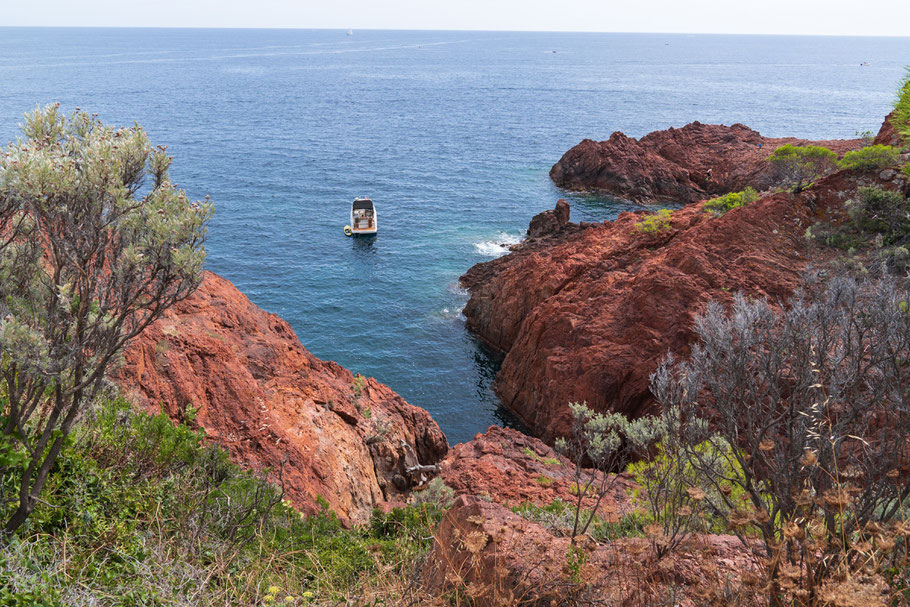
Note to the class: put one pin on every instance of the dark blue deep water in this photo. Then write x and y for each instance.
(451, 133)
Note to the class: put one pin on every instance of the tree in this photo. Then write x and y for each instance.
(815, 401)
(798, 167)
(91, 253)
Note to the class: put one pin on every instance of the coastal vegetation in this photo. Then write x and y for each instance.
(900, 118)
(141, 511)
(721, 204)
(654, 223)
(815, 399)
(870, 157)
(95, 244)
(798, 166)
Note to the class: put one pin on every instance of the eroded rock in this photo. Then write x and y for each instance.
(679, 165)
(271, 403)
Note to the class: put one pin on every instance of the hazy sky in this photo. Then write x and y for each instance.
(849, 17)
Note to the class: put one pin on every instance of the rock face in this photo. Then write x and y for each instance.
(261, 395)
(887, 135)
(497, 558)
(587, 315)
(511, 469)
(679, 165)
(550, 222)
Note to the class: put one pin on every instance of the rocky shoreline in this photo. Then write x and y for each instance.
(687, 164)
(584, 312)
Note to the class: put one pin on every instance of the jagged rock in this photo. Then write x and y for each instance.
(498, 558)
(511, 469)
(679, 165)
(586, 316)
(550, 222)
(271, 403)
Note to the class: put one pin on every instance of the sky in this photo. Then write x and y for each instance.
(823, 17)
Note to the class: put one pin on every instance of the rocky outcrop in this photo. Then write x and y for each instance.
(244, 377)
(550, 222)
(588, 315)
(679, 165)
(888, 135)
(496, 558)
(511, 468)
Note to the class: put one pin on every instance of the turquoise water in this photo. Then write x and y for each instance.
(451, 133)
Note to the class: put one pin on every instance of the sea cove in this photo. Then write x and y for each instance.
(451, 133)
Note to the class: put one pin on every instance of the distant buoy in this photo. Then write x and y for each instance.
(348, 231)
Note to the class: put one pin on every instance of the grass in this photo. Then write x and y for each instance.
(140, 511)
(549, 461)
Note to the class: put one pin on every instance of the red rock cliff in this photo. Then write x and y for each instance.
(587, 313)
(261, 395)
(679, 165)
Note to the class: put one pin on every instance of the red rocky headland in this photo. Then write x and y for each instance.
(585, 312)
(688, 164)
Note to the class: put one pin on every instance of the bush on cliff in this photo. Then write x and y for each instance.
(655, 222)
(720, 205)
(606, 442)
(901, 117)
(140, 511)
(881, 212)
(874, 234)
(816, 400)
(797, 166)
(871, 157)
(86, 263)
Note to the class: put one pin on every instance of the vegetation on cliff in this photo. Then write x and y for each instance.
(139, 511)
(900, 118)
(95, 244)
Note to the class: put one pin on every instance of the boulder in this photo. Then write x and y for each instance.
(495, 557)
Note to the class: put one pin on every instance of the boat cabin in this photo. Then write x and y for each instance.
(363, 216)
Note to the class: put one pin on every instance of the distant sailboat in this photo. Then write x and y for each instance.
(350, 32)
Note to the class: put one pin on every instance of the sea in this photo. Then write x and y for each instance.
(451, 133)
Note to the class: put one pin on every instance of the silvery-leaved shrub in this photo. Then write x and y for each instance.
(96, 243)
(606, 442)
(814, 400)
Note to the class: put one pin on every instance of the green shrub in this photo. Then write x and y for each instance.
(544, 481)
(906, 170)
(148, 514)
(881, 212)
(872, 157)
(798, 166)
(558, 517)
(656, 222)
(901, 117)
(720, 205)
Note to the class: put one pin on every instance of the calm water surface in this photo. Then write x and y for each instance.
(451, 133)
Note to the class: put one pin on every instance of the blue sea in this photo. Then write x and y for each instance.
(451, 133)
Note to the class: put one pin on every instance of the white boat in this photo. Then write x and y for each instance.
(364, 218)
(350, 32)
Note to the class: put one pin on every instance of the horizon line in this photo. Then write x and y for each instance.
(458, 30)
